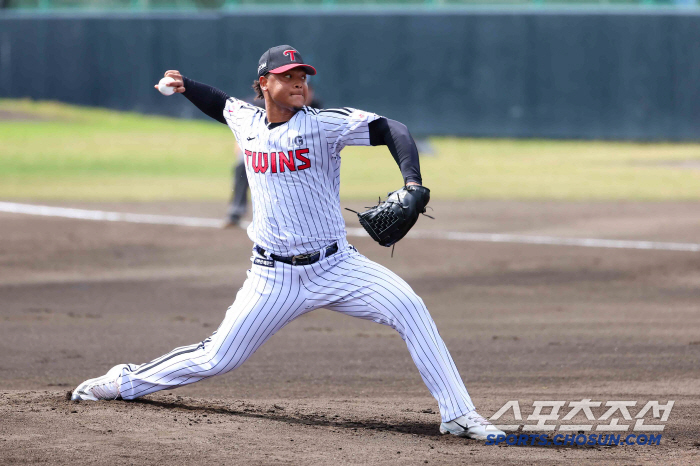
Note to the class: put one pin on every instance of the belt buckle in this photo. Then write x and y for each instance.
(302, 257)
(299, 257)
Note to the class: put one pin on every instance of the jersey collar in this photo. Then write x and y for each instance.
(275, 125)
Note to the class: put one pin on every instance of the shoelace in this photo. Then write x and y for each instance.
(475, 417)
(105, 391)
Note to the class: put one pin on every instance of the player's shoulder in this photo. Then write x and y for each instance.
(234, 105)
(345, 113)
(323, 113)
(336, 112)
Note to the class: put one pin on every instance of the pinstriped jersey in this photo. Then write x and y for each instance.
(293, 170)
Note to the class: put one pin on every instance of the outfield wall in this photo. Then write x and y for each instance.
(503, 73)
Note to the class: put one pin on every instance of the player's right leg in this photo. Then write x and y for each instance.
(269, 299)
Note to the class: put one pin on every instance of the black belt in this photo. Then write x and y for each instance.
(301, 259)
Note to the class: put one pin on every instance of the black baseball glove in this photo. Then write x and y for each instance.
(390, 220)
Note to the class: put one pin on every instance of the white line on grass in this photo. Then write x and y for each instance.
(99, 215)
(102, 216)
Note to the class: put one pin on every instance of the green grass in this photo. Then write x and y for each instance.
(76, 153)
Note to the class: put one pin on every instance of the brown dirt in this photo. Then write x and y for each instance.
(523, 322)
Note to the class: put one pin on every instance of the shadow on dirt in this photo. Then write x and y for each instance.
(252, 411)
(289, 415)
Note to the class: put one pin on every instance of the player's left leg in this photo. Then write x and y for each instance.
(359, 287)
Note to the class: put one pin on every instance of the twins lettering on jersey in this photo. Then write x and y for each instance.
(294, 173)
(278, 161)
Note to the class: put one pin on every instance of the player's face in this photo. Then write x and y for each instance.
(288, 89)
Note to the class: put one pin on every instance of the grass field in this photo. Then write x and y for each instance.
(57, 151)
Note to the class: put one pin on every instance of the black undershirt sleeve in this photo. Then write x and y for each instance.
(396, 137)
(209, 100)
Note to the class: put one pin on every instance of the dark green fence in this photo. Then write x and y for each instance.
(233, 4)
(557, 73)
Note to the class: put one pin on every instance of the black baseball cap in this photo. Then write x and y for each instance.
(280, 59)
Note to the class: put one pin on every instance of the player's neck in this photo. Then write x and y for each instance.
(277, 113)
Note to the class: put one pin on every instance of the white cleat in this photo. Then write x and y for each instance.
(100, 388)
(472, 426)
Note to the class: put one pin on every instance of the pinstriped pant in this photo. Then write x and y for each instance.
(271, 297)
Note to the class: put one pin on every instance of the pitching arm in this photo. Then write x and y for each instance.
(210, 100)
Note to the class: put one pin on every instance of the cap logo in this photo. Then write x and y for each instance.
(262, 65)
(290, 54)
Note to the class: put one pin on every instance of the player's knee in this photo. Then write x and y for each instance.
(215, 358)
(412, 303)
(410, 308)
(215, 365)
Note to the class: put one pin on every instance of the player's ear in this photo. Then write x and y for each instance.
(263, 83)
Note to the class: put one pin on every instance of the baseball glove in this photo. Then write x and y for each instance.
(390, 220)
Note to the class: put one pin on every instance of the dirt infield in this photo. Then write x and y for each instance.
(523, 322)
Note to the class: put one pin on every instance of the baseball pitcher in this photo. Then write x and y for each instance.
(301, 259)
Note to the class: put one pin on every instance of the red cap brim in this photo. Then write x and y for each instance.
(308, 68)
